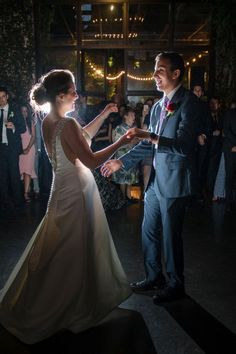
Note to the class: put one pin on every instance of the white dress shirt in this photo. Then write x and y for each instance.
(171, 93)
(4, 129)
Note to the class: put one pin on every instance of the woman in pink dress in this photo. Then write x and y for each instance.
(26, 162)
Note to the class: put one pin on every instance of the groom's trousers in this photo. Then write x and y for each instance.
(162, 231)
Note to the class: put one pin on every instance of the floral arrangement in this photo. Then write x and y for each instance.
(171, 108)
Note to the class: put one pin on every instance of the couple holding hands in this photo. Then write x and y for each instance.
(69, 276)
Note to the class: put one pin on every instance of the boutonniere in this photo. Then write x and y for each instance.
(171, 108)
(11, 115)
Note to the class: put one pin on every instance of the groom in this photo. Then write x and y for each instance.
(171, 141)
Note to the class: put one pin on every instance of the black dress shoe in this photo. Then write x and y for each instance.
(229, 207)
(145, 285)
(168, 294)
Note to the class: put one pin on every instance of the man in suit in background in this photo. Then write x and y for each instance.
(171, 141)
(229, 148)
(204, 141)
(12, 125)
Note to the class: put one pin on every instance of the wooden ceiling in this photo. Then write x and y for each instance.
(187, 22)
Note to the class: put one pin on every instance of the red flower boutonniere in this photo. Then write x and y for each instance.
(171, 108)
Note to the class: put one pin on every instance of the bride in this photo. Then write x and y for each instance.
(69, 276)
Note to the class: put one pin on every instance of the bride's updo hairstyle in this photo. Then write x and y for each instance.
(49, 86)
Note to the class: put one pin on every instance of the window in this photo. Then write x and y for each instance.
(140, 70)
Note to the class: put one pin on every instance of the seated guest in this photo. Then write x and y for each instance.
(125, 178)
(111, 196)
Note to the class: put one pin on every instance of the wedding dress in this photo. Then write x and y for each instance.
(69, 276)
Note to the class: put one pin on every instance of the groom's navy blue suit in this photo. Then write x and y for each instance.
(172, 181)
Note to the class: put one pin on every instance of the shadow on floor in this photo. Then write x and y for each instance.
(210, 334)
(122, 332)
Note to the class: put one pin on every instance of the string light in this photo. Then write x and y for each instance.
(115, 77)
(140, 78)
(114, 35)
(196, 57)
(116, 19)
(99, 73)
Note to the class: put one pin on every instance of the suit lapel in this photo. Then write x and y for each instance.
(164, 125)
(9, 113)
(175, 99)
(157, 114)
(178, 95)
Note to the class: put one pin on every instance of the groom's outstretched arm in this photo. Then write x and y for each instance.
(130, 159)
(137, 154)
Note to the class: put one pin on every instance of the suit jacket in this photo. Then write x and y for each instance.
(206, 121)
(229, 130)
(14, 138)
(175, 161)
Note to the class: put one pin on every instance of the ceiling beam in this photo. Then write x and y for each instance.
(198, 29)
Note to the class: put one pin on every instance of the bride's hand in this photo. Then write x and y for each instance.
(110, 108)
(132, 136)
(138, 133)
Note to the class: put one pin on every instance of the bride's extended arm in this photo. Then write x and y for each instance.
(72, 137)
(93, 127)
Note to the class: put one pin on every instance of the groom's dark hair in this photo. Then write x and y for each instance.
(176, 61)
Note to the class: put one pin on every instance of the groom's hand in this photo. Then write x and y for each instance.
(138, 133)
(110, 167)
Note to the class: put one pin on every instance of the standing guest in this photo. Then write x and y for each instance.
(204, 139)
(27, 159)
(69, 276)
(171, 141)
(215, 143)
(11, 127)
(219, 187)
(38, 148)
(229, 148)
(103, 137)
(85, 112)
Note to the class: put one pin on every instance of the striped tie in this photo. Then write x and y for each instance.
(163, 114)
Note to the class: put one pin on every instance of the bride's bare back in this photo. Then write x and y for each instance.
(49, 126)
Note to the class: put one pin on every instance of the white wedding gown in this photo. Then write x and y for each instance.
(69, 276)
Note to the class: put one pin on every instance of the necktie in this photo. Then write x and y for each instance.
(1, 124)
(161, 120)
(162, 114)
